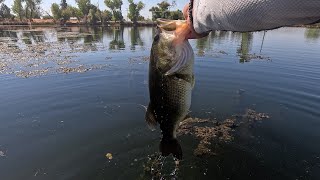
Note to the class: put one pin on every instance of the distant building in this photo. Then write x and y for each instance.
(73, 20)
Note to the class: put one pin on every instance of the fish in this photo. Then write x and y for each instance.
(171, 80)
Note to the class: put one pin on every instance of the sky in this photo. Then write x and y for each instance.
(46, 4)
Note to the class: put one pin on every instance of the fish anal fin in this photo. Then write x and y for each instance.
(150, 118)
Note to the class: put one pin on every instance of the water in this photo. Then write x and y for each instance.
(61, 123)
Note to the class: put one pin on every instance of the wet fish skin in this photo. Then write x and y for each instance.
(171, 80)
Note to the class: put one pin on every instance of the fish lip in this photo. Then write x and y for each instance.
(162, 21)
(168, 24)
(170, 20)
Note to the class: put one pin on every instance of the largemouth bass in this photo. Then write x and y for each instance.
(171, 80)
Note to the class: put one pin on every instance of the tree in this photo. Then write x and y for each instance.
(156, 13)
(66, 14)
(92, 15)
(115, 6)
(70, 11)
(47, 17)
(98, 14)
(117, 16)
(56, 12)
(176, 15)
(106, 16)
(63, 4)
(5, 11)
(18, 9)
(162, 11)
(141, 18)
(84, 6)
(164, 6)
(312, 33)
(32, 9)
(76, 13)
(134, 10)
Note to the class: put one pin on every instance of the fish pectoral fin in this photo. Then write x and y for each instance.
(186, 77)
(150, 118)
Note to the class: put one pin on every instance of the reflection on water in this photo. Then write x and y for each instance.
(135, 38)
(245, 46)
(114, 38)
(202, 45)
(312, 33)
(117, 41)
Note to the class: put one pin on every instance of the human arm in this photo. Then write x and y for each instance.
(250, 15)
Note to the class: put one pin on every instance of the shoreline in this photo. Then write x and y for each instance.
(108, 24)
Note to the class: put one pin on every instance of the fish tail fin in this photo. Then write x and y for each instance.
(171, 146)
(150, 118)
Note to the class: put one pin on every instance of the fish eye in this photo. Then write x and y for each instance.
(156, 38)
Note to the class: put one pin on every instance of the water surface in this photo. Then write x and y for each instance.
(82, 97)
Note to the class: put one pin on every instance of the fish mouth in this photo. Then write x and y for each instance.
(179, 28)
(170, 25)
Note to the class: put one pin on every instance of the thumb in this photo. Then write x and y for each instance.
(185, 11)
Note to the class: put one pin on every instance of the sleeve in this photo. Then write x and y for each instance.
(253, 15)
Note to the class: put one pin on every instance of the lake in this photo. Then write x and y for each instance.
(72, 105)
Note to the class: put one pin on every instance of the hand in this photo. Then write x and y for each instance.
(192, 33)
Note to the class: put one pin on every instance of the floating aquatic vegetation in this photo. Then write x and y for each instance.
(208, 131)
(80, 69)
(2, 154)
(249, 57)
(43, 58)
(72, 34)
(138, 59)
(252, 115)
(26, 74)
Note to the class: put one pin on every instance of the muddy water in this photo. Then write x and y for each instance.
(72, 106)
